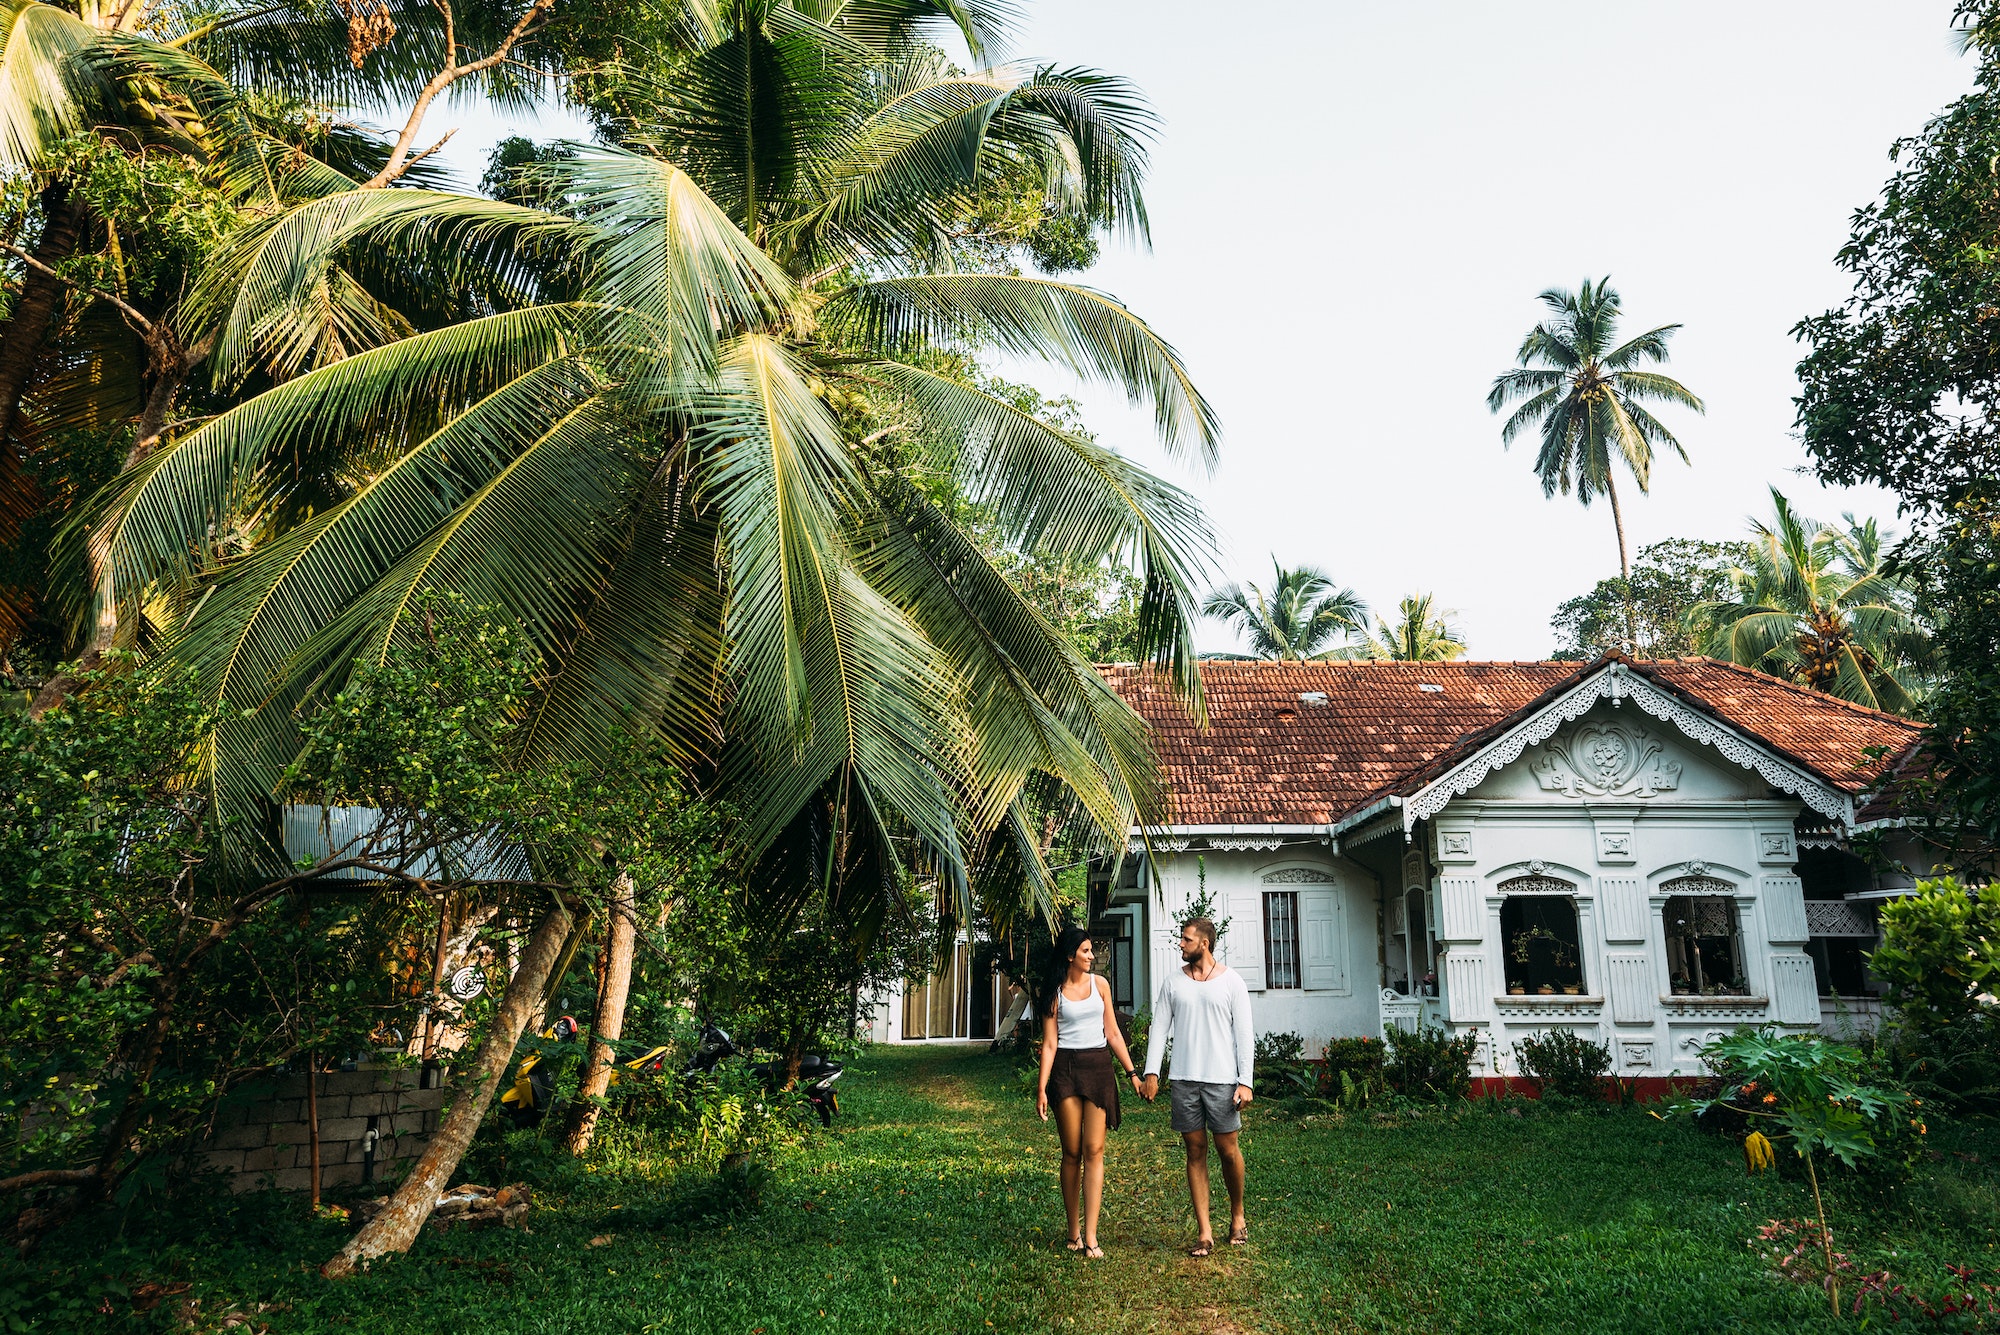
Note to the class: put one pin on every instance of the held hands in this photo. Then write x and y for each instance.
(1151, 1090)
(1138, 1085)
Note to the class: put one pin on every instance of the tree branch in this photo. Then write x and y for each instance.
(139, 318)
(400, 160)
(48, 1177)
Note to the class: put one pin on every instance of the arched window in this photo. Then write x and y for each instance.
(1704, 947)
(1539, 936)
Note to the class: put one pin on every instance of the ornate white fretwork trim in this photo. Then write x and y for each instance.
(1227, 844)
(1616, 683)
(1299, 876)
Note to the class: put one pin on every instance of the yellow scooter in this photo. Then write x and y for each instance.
(534, 1088)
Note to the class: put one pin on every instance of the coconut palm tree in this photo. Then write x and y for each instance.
(1815, 605)
(1301, 618)
(1422, 634)
(689, 442)
(1585, 392)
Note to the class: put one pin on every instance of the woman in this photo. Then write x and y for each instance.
(1079, 1037)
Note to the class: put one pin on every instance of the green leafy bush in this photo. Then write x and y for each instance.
(1281, 1065)
(1349, 1070)
(1940, 954)
(1566, 1063)
(1429, 1063)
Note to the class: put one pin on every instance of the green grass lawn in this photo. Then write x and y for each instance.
(933, 1208)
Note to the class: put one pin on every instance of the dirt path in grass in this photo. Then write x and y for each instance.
(1146, 1282)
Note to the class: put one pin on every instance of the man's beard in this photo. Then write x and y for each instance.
(1192, 956)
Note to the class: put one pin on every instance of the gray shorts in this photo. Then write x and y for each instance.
(1201, 1106)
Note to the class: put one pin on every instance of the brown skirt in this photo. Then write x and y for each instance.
(1087, 1074)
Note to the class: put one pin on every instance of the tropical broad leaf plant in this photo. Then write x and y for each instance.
(1815, 603)
(644, 449)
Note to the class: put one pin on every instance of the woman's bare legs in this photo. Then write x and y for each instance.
(1069, 1128)
(1092, 1138)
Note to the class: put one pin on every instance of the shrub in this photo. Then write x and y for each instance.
(1940, 954)
(1566, 1063)
(1957, 1064)
(1429, 1063)
(1281, 1065)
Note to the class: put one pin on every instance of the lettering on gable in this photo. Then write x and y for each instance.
(1604, 758)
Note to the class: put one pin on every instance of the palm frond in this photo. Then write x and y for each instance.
(1079, 327)
(164, 519)
(1049, 490)
(46, 89)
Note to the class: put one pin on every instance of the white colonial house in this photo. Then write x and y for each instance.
(1648, 852)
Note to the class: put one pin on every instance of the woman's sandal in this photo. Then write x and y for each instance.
(1093, 1253)
(1201, 1249)
(1239, 1235)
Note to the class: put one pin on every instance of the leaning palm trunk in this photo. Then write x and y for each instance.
(608, 1025)
(396, 1227)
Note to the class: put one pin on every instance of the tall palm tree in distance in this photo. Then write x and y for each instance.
(1422, 634)
(1813, 604)
(1584, 391)
(1303, 616)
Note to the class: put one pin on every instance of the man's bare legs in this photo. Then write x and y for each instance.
(1080, 1124)
(1231, 1153)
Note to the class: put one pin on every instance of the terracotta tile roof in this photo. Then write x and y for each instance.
(1276, 754)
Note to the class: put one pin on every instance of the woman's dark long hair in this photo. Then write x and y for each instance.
(1052, 978)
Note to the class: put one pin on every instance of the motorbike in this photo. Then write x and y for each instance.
(534, 1088)
(528, 1100)
(815, 1079)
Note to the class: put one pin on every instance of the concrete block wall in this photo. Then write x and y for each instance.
(270, 1139)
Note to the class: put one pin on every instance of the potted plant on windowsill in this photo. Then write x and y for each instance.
(1517, 989)
(1682, 987)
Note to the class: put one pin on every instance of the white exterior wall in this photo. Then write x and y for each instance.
(1711, 819)
(1338, 933)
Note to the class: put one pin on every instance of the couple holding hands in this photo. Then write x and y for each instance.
(1203, 1008)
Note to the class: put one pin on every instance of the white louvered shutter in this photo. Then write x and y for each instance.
(1323, 939)
(1243, 948)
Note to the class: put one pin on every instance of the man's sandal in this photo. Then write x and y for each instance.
(1074, 1244)
(1201, 1249)
(1239, 1235)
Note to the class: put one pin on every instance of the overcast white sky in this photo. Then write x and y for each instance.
(1355, 202)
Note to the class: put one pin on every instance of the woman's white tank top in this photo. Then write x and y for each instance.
(1080, 1024)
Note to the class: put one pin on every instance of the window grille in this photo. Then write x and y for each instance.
(1281, 938)
(1704, 953)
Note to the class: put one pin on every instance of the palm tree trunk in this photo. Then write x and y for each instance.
(396, 1227)
(608, 1025)
(63, 217)
(168, 364)
(1624, 565)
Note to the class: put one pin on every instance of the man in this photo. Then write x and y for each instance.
(1204, 1009)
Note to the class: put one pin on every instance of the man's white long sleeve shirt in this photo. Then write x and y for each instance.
(1209, 1024)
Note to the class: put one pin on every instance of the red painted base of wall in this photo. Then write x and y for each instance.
(1645, 1088)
